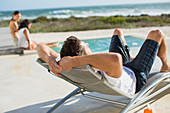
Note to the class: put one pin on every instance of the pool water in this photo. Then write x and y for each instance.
(102, 44)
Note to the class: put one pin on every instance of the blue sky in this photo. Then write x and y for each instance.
(6, 5)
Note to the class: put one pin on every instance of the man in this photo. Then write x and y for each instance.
(117, 67)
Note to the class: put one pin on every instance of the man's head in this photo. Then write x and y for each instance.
(74, 47)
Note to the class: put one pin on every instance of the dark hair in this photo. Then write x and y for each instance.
(15, 13)
(24, 23)
(72, 47)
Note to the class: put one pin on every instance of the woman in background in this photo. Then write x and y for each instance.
(25, 40)
(13, 26)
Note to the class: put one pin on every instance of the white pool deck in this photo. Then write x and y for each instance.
(26, 87)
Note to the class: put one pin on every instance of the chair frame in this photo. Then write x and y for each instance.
(139, 98)
(7, 50)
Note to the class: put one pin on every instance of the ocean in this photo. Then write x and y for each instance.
(109, 10)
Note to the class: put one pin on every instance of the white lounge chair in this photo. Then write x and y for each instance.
(7, 50)
(86, 79)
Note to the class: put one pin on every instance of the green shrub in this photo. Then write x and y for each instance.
(113, 19)
(4, 23)
(43, 24)
(40, 19)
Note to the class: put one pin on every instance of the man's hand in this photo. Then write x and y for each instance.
(66, 63)
(49, 55)
(54, 67)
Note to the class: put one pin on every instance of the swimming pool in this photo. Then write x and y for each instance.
(102, 44)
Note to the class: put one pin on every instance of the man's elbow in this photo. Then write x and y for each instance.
(117, 65)
(118, 57)
(39, 49)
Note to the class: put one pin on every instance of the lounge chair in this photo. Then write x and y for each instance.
(86, 79)
(7, 50)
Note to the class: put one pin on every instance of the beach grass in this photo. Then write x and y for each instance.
(43, 24)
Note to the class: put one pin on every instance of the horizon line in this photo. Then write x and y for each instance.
(83, 6)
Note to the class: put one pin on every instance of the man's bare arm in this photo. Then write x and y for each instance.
(44, 52)
(111, 63)
(49, 55)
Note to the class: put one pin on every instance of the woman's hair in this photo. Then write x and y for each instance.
(24, 23)
(15, 13)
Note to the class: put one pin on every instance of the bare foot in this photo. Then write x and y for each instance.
(165, 68)
(53, 44)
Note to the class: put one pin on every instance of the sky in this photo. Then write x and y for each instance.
(6, 5)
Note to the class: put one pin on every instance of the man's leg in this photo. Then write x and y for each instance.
(159, 37)
(120, 33)
(154, 45)
(119, 45)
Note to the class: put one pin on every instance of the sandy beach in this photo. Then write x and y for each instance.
(26, 87)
